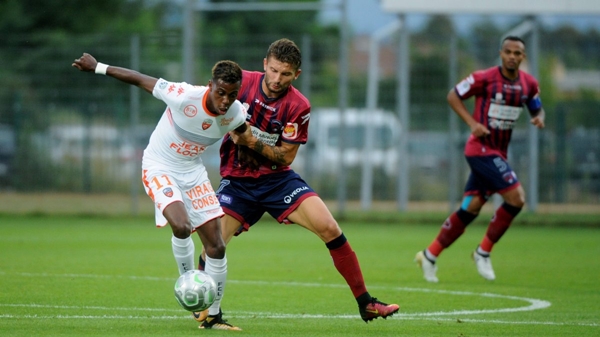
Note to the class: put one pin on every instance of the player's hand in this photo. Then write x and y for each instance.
(538, 122)
(85, 63)
(479, 130)
(242, 138)
(246, 156)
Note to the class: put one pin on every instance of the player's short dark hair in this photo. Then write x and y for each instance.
(286, 51)
(227, 71)
(512, 38)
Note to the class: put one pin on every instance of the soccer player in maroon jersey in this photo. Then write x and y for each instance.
(256, 173)
(500, 94)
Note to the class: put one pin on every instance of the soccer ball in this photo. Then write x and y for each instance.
(195, 290)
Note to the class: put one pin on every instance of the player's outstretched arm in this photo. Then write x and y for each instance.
(88, 63)
(283, 154)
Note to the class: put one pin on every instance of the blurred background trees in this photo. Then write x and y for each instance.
(39, 90)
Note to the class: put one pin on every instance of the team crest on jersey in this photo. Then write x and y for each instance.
(206, 124)
(190, 110)
(290, 131)
(168, 192)
(509, 177)
(276, 126)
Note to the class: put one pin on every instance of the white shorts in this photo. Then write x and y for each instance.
(194, 189)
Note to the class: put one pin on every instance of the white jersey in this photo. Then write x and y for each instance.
(187, 127)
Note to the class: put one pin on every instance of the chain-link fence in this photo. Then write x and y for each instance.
(65, 131)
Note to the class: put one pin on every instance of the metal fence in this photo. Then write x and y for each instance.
(65, 131)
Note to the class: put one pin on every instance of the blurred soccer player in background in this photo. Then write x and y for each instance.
(173, 173)
(256, 173)
(500, 94)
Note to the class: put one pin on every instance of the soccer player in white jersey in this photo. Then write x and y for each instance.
(173, 174)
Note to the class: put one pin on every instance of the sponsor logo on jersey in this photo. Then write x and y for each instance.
(168, 192)
(202, 196)
(226, 121)
(288, 198)
(265, 106)
(180, 91)
(290, 131)
(265, 137)
(190, 110)
(500, 124)
(504, 111)
(171, 88)
(206, 124)
(224, 199)
(305, 118)
(214, 211)
(187, 149)
(512, 86)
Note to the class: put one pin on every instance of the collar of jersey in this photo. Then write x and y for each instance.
(205, 107)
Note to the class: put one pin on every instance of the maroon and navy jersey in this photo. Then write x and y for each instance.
(498, 104)
(272, 121)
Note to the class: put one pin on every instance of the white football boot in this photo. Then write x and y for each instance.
(429, 268)
(484, 266)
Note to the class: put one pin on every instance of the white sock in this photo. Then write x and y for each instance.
(482, 252)
(183, 250)
(217, 269)
(430, 256)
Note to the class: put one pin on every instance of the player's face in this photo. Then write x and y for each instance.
(221, 96)
(512, 54)
(278, 76)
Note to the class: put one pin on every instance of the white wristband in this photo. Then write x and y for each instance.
(101, 68)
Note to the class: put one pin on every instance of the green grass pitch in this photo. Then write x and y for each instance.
(114, 276)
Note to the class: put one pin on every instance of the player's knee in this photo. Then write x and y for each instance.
(329, 230)
(216, 250)
(517, 202)
(517, 198)
(181, 229)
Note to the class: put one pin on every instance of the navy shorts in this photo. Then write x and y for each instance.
(247, 199)
(489, 175)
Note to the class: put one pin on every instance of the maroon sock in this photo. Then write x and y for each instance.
(452, 229)
(499, 225)
(346, 262)
(201, 263)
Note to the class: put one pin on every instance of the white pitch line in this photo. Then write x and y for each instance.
(534, 304)
(250, 315)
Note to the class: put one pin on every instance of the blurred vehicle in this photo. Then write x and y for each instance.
(324, 140)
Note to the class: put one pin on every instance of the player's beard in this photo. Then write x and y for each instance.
(276, 91)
